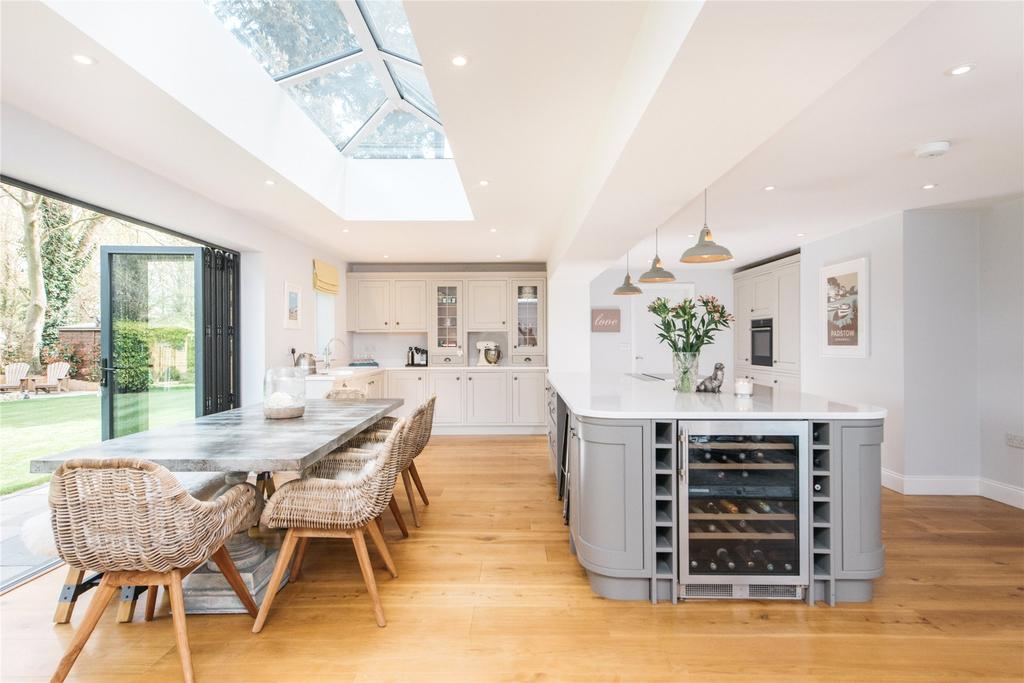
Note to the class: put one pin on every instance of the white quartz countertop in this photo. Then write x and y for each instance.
(348, 372)
(622, 396)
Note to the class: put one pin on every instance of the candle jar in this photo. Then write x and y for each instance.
(284, 393)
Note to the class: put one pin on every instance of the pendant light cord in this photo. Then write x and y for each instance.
(705, 207)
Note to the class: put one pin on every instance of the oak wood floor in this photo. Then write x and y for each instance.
(488, 591)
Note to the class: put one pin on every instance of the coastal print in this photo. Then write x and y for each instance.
(844, 309)
(292, 306)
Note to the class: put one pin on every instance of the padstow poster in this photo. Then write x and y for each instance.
(844, 302)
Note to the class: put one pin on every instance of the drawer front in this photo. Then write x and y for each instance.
(530, 359)
(442, 360)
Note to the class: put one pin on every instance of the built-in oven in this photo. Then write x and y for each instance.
(761, 342)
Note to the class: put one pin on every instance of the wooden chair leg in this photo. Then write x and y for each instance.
(126, 606)
(271, 486)
(382, 548)
(419, 484)
(300, 555)
(283, 557)
(151, 594)
(230, 572)
(180, 632)
(412, 500)
(69, 595)
(367, 569)
(104, 592)
(397, 512)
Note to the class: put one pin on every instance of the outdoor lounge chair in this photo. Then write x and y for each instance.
(13, 374)
(55, 372)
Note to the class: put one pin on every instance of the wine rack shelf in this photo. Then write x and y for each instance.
(823, 582)
(740, 535)
(666, 566)
(741, 466)
(755, 516)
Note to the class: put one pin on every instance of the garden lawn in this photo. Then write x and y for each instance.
(37, 427)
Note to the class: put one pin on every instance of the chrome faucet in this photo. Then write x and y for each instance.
(327, 350)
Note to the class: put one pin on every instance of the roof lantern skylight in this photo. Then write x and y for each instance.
(353, 67)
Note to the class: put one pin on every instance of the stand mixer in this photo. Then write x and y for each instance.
(490, 353)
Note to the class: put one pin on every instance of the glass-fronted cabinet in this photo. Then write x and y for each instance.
(445, 338)
(743, 502)
(528, 317)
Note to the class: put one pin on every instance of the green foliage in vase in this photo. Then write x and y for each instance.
(684, 327)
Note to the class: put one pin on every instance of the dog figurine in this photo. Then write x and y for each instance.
(713, 383)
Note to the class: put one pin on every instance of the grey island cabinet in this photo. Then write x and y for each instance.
(674, 496)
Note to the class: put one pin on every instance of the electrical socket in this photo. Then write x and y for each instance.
(1014, 440)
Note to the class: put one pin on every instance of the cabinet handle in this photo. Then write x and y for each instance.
(775, 381)
(747, 359)
(528, 360)
(458, 379)
(470, 379)
(502, 322)
(385, 324)
(396, 322)
(447, 360)
(775, 362)
(418, 379)
(515, 379)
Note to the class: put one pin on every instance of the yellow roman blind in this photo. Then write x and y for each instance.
(325, 277)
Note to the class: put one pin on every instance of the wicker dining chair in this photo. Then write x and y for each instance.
(134, 522)
(342, 496)
(421, 436)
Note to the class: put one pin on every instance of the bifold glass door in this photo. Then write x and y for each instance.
(151, 337)
(744, 502)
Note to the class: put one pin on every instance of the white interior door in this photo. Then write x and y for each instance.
(649, 354)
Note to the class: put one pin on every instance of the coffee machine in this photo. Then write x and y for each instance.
(490, 353)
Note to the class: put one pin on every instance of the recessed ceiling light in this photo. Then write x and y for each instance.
(497, 256)
(691, 235)
(84, 60)
(960, 70)
(769, 188)
(801, 234)
(485, 183)
(344, 229)
(386, 256)
(269, 183)
(460, 60)
(929, 186)
(494, 230)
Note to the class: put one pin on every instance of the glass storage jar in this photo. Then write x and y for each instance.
(284, 393)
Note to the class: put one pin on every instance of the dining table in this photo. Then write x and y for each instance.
(239, 443)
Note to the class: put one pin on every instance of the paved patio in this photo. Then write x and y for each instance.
(15, 509)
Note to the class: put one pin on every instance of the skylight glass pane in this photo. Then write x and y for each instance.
(287, 36)
(412, 85)
(390, 27)
(402, 135)
(340, 102)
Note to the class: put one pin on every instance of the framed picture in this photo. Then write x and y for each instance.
(292, 306)
(843, 302)
(605, 319)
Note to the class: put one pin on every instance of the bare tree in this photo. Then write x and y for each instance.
(32, 240)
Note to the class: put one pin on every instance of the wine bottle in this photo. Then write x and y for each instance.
(817, 486)
(779, 507)
(776, 556)
(763, 506)
(694, 565)
(817, 462)
(712, 566)
(759, 456)
(710, 526)
(741, 456)
(723, 555)
(744, 474)
(729, 506)
(721, 474)
(711, 507)
(707, 456)
(741, 552)
(758, 556)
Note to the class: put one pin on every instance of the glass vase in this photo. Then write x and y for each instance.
(284, 393)
(684, 367)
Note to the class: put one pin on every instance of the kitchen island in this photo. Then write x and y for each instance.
(670, 495)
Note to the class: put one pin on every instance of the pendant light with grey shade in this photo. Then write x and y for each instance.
(706, 251)
(627, 288)
(657, 273)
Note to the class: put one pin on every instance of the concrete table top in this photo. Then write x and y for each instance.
(240, 440)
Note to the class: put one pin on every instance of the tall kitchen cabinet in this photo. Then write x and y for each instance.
(528, 322)
(770, 291)
(446, 327)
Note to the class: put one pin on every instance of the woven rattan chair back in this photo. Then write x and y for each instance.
(126, 514)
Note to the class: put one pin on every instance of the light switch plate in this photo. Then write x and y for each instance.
(1014, 440)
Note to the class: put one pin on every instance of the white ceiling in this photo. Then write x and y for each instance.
(823, 100)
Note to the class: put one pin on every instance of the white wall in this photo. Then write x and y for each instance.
(877, 379)
(36, 152)
(940, 309)
(569, 316)
(1000, 374)
(613, 352)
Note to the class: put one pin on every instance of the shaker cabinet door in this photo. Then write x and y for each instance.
(410, 386)
(529, 402)
(410, 305)
(373, 305)
(487, 398)
(449, 387)
(787, 322)
(487, 303)
(744, 309)
(861, 500)
(610, 497)
(765, 296)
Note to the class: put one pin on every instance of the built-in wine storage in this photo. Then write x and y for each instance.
(743, 509)
(665, 576)
(822, 586)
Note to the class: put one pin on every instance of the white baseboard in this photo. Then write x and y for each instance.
(1003, 493)
(915, 485)
(488, 430)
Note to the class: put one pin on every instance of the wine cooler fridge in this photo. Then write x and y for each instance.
(743, 509)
